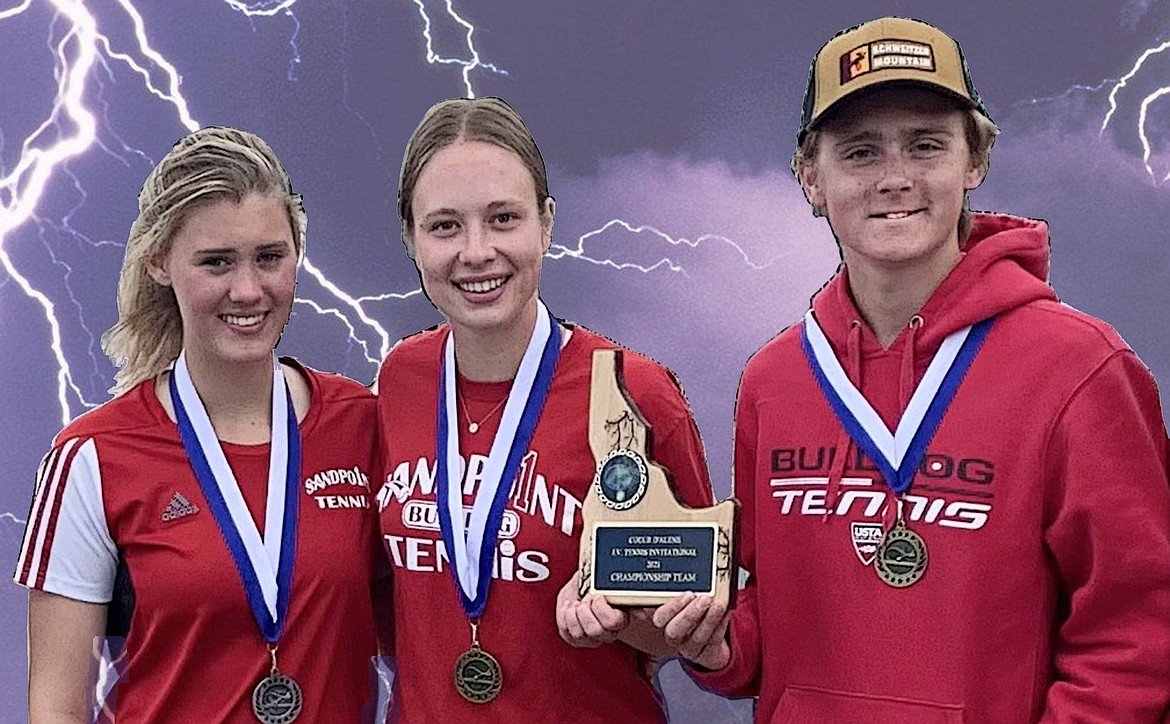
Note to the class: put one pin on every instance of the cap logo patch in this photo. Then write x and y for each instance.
(886, 54)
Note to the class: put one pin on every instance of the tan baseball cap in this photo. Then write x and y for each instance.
(881, 51)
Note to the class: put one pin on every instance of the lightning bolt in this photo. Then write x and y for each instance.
(468, 64)
(1143, 110)
(391, 295)
(1146, 150)
(13, 12)
(1091, 89)
(557, 251)
(172, 95)
(353, 335)
(270, 9)
(24, 186)
(385, 697)
(352, 303)
(109, 668)
(261, 9)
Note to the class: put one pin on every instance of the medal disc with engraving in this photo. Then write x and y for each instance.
(276, 699)
(901, 557)
(478, 676)
(620, 481)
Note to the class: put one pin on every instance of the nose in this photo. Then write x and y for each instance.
(246, 286)
(478, 248)
(895, 175)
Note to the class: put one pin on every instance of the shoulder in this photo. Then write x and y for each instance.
(1067, 328)
(420, 345)
(333, 387)
(338, 407)
(1074, 345)
(132, 411)
(779, 354)
(636, 367)
(420, 348)
(654, 387)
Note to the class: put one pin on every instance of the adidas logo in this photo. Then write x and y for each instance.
(179, 507)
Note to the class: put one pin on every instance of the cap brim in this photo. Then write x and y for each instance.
(861, 94)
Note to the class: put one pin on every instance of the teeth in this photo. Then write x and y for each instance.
(243, 321)
(897, 215)
(482, 287)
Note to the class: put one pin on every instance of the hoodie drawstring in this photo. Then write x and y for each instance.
(844, 442)
(906, 377)
(905, 392)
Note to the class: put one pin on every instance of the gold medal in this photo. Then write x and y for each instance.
(478, 676)
(901, 557)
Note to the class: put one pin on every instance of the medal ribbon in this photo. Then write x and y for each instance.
(896, 454)
(265, 565)
(471, 545)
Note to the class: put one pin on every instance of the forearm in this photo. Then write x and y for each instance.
(43, 715)
(63, 637)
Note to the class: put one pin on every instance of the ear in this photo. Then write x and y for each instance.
(408, 242)
(975, 175)
(156, 267)
(806, 172)
(547, 214)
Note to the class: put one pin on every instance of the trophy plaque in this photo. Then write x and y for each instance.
(640, 546)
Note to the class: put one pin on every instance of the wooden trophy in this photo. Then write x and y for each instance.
(639, 545)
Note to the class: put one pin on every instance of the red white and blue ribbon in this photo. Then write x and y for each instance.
(897, 454)
(471, 542)
(265, 564)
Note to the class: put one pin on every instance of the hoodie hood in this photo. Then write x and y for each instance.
(1004, 266)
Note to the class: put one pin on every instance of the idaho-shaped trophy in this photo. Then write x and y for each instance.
(640, 546)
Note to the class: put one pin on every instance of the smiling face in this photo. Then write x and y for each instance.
(232, 267)
(479, 236)
(891, 172)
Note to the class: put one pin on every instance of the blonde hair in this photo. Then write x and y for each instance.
(980, 134)
(204, 167)
(488, 119)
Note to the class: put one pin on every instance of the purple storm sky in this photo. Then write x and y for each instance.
(675, 116)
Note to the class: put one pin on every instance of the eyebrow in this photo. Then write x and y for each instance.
(269, 246)
(871, 136)
(931, 130)
(440, 212)
(503, 203)
(860, 137)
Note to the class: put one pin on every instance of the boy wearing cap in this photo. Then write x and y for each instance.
(954, 488)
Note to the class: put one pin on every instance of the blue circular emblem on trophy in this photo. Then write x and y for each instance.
(620, 481)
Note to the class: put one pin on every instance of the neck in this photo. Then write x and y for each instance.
(238, 398)
(493, 355)
(888, 296)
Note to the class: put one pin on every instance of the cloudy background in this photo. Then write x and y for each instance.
(666, 126)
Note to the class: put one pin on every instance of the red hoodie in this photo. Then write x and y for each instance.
(1042, 500)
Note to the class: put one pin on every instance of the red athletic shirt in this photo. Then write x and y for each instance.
(1042, 500)
(117, 495)
(545, 679)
